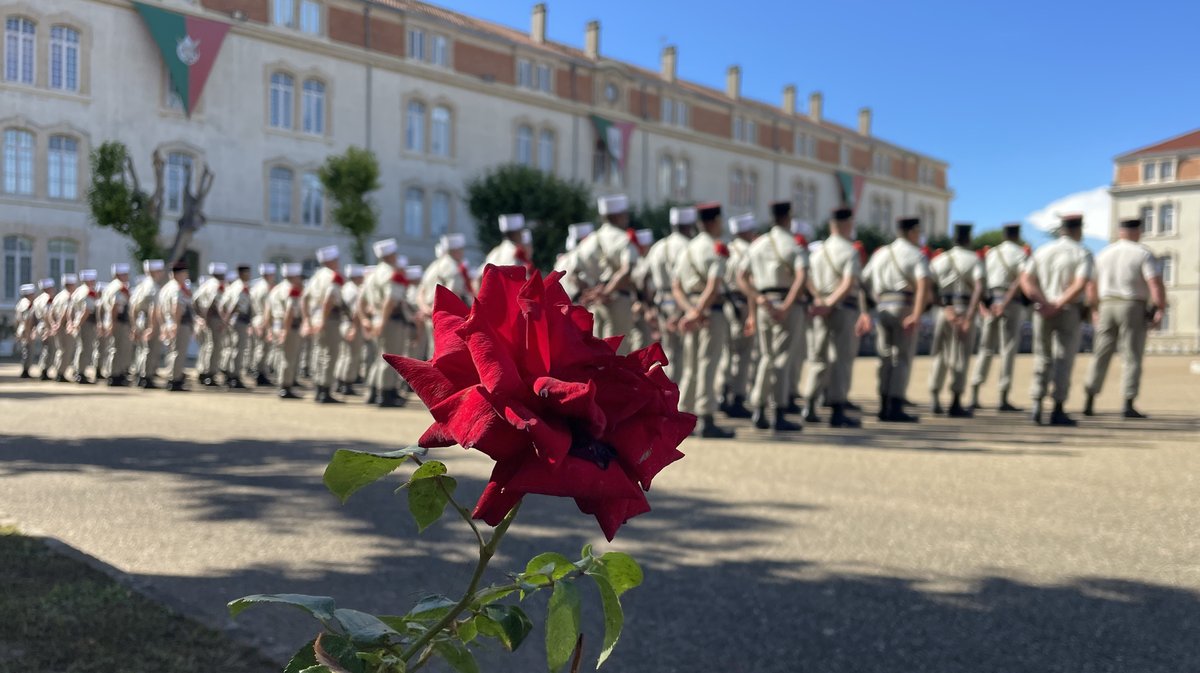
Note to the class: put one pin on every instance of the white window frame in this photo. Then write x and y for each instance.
(62, 167)
(64, 46)
(177, 176)
(282, 103)
(414, 126)
(312, 106)
(312, 200)
(20, 49)
(439, 51)
(62, 256)
(1166, 170)
(414, 212)
(283, 13)
(20, 151)
(524, 146)
(543, 77)
(441, 131)
(524, 73)
(683, 177)
(416, 44)
(1166, 269)
(666, 176)
(281, 186)
(1146, 212)
(546, 141)
(1149, 171)
(441, 209)
(307, 12)
(18, 264)
(1163, 210)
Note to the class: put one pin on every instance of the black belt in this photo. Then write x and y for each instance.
(625, 293)
(712, 307)
(738, 298)
(848, 304)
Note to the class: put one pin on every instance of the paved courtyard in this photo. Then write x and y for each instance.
(989, 545)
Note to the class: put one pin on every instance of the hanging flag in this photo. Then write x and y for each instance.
(851, 187)
(615, 136)
(189, 46)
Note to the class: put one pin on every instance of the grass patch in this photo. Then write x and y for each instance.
(58, 614)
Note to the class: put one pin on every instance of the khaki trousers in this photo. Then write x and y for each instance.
(237, 348)
(177, 352)
(1122, 325)
(325, 353)
(702, 348)
(1055, 344)
(392, 340)
(85, 347)
(208, 360)
(615, 318)
(672, 341)
(1000, 335)
(66, 350)
(149, 355)
(349, 355)
(288, 365)
(951, 351)
(831, 355)
(120, 350)
(739, 356)
(776, 367)
(49, 353)
(896, 347)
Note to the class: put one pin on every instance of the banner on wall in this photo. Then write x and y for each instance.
(189, 47)
(615, 136)
(851, 187)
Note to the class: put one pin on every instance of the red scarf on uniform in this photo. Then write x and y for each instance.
(466, 276)
(337, 279)
(399, 277)
(523, 258)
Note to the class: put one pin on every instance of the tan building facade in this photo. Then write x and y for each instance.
(438, 96)
(1161, 184)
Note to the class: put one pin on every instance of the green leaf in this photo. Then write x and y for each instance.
(430, 609)
(303, 659)
(553, 565)
(428, 470)
(338, 654)
(362, 628)
(457, 655)
(490, 595)
(321, 607)
(506, 623)
(350, 470)
(622, 571)
(315, 669)
(562, 624)
(586, 552)
(614, 617)
(467, 630)
(426, 499)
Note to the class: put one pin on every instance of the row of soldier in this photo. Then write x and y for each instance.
(738, 317)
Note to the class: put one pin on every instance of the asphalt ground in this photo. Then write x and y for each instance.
(981, 545)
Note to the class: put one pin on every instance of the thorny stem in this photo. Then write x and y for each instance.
(486, 552)
(462, 511)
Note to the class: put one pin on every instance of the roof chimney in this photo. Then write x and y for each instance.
(668, 63)
(733, 82)
(864, 121)
(537, 28)
(815, 102)
(789, 99)
(591, 43)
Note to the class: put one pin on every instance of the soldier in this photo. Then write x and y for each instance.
(387, 320)
(661, 261)
(959, 277)
(143, 304)
(898, 277)
(350, 348)
(24, 322)
(644, 318)
(568, 262)
(1054, 280)
(260, 325)
(44, 327)
(514, 250)
(422, 334)
(82, 324)
(177, 317)
(234, 306)
(449, 270)
(322, 310)
(285, 320)
(60, 310)
(698, 282)
(1127, 275)
(608, 258)
(1002, 320)
(773, 279)
(835, 273)
(210, 327)
(115, 322)
(739, 354)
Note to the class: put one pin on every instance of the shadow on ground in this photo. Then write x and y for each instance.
(696, 612)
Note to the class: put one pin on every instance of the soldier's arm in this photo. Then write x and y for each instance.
(1073, 290)
(680, 296)
(919, 303)
(976, 298)
(839, 293)
(1032, 288)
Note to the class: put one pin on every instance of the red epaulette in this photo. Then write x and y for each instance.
(721, 249)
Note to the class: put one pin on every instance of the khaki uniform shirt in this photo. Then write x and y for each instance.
(171, 296)
(1123, 269)
(259, 289)
(605, 252)
(114, 303)
(957, 271)
(235, 301)
(1056, 265)
(41, 307)
(896, 267)
(504, 254)
(142, 301)
(568, 263)
(83, 303)
(662, 258)
(738, 248)
(699, 262)
(24, 309)
(207, 297)
(774, 259)
(1003, 265)
(443, 271)
(834, 262)
(280, 300)
(321, 288)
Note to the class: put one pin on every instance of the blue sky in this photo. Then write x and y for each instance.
(1028, 101)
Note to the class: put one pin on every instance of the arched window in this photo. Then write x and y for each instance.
(64, 58)
(61, 256)
(666, 177)
(282, 91)
(1166, 218)
(525, 145)
(178, 176)
(19, 36)
(313, 107)
(414, 127)
(683, 178)
(62, 168)
(736, 187)
(18, 265)
(751, 190)
(312, 200)
(439, 214)
(545, 150)
(439, 131)
(414, 212)
(280, 194)
(18, 161)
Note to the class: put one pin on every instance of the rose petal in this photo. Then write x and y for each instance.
(474, 424)
(611, 514)
(497, 501)
(572, 399)
(577, 478)
(436, 435)
(644, 448)
(426, 380)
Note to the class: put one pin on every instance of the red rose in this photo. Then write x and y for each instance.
(520, 377)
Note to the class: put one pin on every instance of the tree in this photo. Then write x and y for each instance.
(117, 201)
(192, 218)
(549, 204)
(991, 239)
(347, 179)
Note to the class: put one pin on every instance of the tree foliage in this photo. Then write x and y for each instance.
(117, 202)
(347, 179)
(655, 218)
(549, 204)
(991, 239)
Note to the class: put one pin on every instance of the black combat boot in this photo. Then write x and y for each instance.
(957, 410)
(1060, 417)
(234, 383)
(896, 413)
(390, 399)
(792, 407)
(149, 384)
(974, 399)
(810, 412)
(176, 386)
(1089, 405)
(373, 395)
(1004, 403)
(287, 394)
(348, 389)
(45, 376)
(839, 419)
(1130, 412)
(782, 424)
(711, 430)
(261, 380)
(25, 373)
(737, 408)
(885, 407)
(759, 419)
(1036, 414)
(325, 397)
(937, 406)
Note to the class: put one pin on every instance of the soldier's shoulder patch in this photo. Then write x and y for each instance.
(721, 249)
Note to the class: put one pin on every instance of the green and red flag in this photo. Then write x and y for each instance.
(851, 187)
(189, 46)
(615, 136)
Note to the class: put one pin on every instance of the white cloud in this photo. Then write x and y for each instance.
(1095, 204)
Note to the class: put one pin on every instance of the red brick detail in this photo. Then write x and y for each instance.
(712, 122)
(1189, 169)
(255, 10)
(860, 159)
(346, 26)
(766, 136)
(485, 63)
(653, 109)
(827, 150)
(786, 140)
(387, 36)
(939, 178)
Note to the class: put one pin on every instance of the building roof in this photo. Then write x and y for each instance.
(1186, 141)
